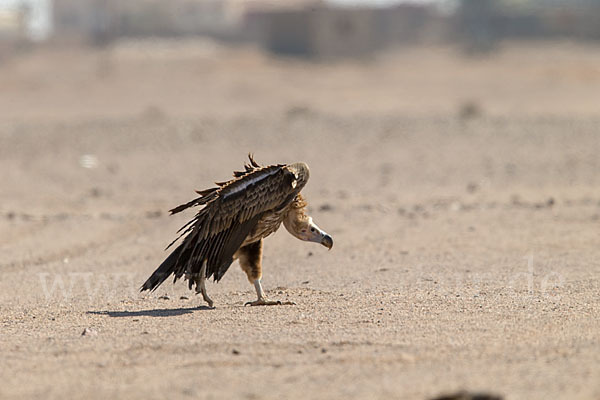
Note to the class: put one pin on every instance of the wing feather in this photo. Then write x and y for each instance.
(229, 214)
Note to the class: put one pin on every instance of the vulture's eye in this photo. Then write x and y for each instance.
(312, 229)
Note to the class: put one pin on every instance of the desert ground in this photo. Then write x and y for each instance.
(462, 194)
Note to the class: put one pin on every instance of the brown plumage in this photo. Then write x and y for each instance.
(237, 215)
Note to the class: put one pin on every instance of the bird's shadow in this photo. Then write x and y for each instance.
(157, 312)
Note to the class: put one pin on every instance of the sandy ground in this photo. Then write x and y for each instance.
(466, 249)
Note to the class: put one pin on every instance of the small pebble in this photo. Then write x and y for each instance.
(88, 161)
(89, 332)
(472, 187)
(326, 207)
(153, 214)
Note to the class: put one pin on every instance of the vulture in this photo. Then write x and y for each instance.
(235, 217)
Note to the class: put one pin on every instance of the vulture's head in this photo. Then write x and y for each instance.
(306, 229)
(302, 226)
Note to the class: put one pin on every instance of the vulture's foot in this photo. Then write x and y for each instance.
(201, 286)
(207, 299)
(263, 301)
(266, 302)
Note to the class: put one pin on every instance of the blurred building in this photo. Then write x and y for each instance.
(301, 27)
(322, 32)
(13, 30)
(105, 20)
(11, 24)
(317, 29)
(481, 24)
(579, 20)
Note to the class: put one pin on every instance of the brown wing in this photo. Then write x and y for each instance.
(230, 213)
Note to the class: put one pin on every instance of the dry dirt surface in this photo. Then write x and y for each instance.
(462, 195)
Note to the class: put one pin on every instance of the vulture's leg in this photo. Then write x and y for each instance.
(201, 287)
(250, 258)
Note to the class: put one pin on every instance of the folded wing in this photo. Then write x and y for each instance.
(230, 212)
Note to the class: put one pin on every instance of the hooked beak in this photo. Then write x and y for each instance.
(317, 235)
(327, 241)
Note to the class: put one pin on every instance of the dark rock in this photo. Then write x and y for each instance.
(89, 332)
(463, 395)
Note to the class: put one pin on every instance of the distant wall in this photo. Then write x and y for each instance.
(311, 28)
(480, 24)
(327, 32)
(13, 32)
(105, 20)
(346, 33)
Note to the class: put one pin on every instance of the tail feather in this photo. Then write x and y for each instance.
(163, 271)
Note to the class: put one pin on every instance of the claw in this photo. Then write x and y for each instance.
(263, 301)
(267, 302)
(207, 299)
